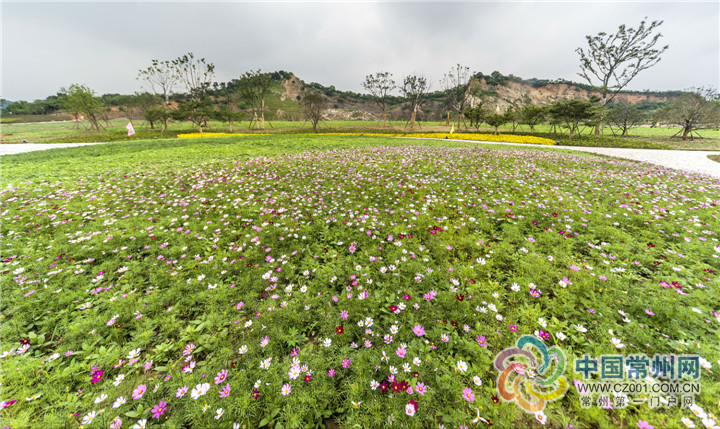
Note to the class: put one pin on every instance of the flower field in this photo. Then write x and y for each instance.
(366, 286)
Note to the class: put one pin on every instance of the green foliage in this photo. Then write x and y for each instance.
(572, 113)
(625, 117)
(695, 110)
(497, 120)
(80, 100)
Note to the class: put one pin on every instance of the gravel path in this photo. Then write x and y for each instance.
(690, 160)
(15, 148)
(695, 161)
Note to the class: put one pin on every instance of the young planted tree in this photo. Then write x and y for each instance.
(694, 110)
(625, 116)
(160, 78)
(142, 103)
(572, 113)
(414, 89)
(313, 106)
(611, 61)
(253, 87)
(80, 100)
(380, 86)
(225, 114)
(497, 120)
(532, 115)
(475, 115)
(457, 87)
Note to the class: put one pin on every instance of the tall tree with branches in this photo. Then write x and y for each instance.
(195, 75)
(254, 86)
(414, 89)
(457, 84)
(379, 86)
(160, 78)
(611, 61)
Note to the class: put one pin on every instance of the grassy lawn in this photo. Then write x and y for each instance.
(293, 280)
(68, 132)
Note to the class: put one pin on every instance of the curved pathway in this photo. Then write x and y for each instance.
(696, 161)
(16, 148)
(689, 160)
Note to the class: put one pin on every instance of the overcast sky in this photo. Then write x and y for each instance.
(46, 46)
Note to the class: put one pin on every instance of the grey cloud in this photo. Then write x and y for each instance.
(48, 45)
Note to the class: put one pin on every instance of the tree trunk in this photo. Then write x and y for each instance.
(262, 114)
(384, 118)
(686, 131)
(572, 132)
(447, 121)
(496, 131)
(412, 119)
(166, 100)
(602, 112)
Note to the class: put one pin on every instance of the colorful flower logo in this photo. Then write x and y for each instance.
(531, 374)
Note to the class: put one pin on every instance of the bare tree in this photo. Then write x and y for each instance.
(457, 84)
(195, 75)
(313, 106)
(414, 89)
(613, 60)
(254, 86)
(159, 78)
(380, 86)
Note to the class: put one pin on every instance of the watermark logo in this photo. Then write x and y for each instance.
(531, 374)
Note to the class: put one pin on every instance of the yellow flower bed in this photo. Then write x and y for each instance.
(196, 135)
(505, 138)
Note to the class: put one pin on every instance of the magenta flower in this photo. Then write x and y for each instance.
(221, 376)
(468, 395)
(642, 424)
(513, 327)
(139, 391)
(419, 330)
(481, 340)
(344, 314)
(421, 389)
(159, 409)
(346, 363)
(225, 391)
(331, 372)
(96, 376)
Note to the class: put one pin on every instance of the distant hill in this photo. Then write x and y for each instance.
(498, 92)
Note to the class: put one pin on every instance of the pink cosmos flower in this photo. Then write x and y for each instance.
(221, 376)
(225, 391)
(419, 330)
(139, 391)
(468, 395)
(642, 424)
(181, 392)
(401, 352)
(159, 409)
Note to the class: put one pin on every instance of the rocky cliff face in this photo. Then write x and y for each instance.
(503, 96)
